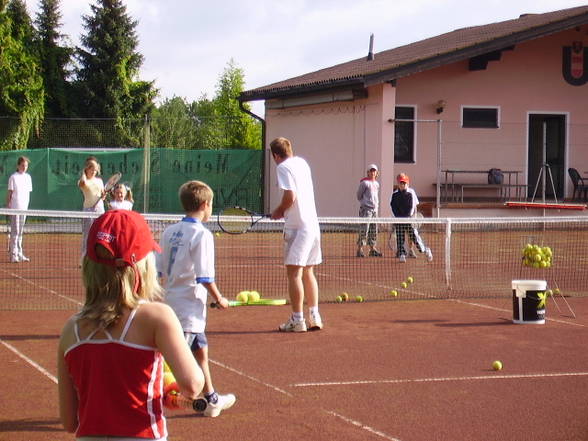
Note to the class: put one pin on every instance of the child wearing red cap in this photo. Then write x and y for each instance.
(186, 263)
(110, 356)
(403, 203)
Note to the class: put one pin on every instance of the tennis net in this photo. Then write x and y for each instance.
(472, 258)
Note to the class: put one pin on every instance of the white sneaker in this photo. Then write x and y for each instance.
(316, 324)
(402, 258)
(429, 254)
(14, 259)
(223, 402)
(24, 258)
(293, 326)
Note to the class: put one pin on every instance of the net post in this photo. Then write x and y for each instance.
(448, 226)
(146, 162)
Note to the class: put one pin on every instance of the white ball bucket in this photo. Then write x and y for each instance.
(525, 301)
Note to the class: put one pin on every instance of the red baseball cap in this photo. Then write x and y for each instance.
(403, 178)
(125, 234)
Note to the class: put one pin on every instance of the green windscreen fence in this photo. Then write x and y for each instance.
(236, 176)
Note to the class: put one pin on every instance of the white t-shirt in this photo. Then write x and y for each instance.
(294, 174)
(187, 260)
(120, 205)
(92, 192)
(21, 185)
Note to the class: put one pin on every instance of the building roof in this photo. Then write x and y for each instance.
(476, 42)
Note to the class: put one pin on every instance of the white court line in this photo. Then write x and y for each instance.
(329, 412)
(29, 361)
(494, 308)
(249, 377)
(440, 379)
(69, 299)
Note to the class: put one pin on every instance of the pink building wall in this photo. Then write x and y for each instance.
(340, 139)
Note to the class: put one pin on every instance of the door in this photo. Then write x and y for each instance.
(554, 145)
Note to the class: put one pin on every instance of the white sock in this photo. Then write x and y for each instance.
(314, 311)
(297, 316)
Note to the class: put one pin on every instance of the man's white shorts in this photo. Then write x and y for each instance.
(302, 247)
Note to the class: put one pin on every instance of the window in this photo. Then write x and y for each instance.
(477, 117)
(404, 134)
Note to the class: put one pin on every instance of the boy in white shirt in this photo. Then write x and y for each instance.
(186, 265)
(20, 186)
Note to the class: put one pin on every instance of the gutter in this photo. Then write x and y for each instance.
(263, 156)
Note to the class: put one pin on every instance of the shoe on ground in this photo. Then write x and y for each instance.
(429, 254)
(359, 254)
(375, 253)
(24, 258)
(316, 324)
(223, 403)
(412, 254)
(14, 259)
(402, 258)
(293, 326)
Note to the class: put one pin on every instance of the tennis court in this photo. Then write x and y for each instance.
(412, 367)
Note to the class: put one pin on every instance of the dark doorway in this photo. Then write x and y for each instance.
(555, 145)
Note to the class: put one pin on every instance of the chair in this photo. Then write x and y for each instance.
(579, 184)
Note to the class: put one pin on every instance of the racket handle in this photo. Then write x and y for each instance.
(199, 404)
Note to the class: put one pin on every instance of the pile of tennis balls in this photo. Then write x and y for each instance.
(345, 297)
(248, 296)
(536, 256)
(409, 281)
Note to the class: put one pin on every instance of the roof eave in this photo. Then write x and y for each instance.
(421, 65)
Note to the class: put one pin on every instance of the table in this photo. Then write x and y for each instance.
(451, 187)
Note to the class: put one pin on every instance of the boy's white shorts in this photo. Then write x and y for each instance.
(302, 247)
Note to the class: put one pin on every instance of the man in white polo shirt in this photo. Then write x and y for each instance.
(20, 186)
(302, 235)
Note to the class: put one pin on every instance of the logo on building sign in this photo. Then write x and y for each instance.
(575, 64)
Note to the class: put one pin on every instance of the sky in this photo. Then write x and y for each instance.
(187, 44)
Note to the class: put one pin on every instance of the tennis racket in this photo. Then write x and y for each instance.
(178, 401)
(417, 220)
(238, 220)
(260, 302)
(112, 181)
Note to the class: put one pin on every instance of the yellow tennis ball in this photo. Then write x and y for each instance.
(359, 299)
(404, 285)
(345, 296)
(394, 293)
(243, 296)
(339, 299)
(168, 378)
(497, 365)
(217, 234)
(410, 279)
(254, 296)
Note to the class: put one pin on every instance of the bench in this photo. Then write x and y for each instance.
(504, 190)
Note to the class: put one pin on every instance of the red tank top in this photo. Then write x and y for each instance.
(119, 386)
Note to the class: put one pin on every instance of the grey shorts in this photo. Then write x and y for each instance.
(196, 340)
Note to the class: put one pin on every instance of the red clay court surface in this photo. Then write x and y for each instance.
(403, 370)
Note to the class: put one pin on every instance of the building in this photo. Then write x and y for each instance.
(503, 95)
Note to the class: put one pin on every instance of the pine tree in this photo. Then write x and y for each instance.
(109, 66)
(21, 85)
(55, 59)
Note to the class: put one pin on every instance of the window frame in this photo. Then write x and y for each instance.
(464, 108)
(411, 159)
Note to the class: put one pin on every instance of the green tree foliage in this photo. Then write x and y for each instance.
(173, 126)
(21, 85)
(240, 129)
(108, 70)
(213, 124)
(55, 59)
